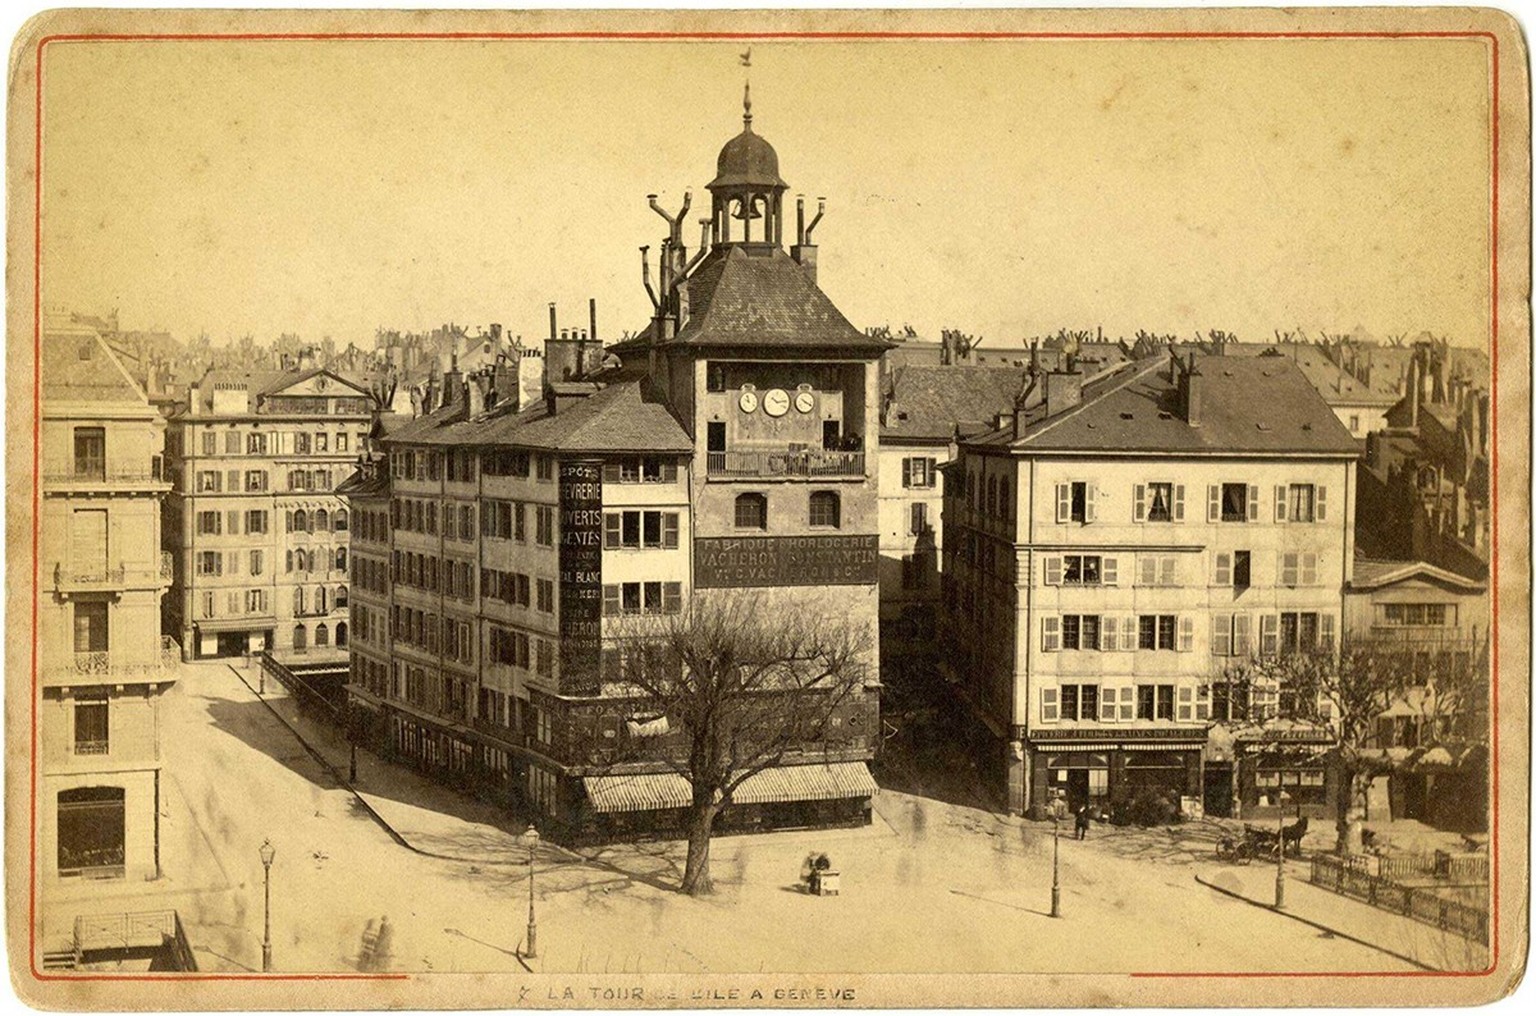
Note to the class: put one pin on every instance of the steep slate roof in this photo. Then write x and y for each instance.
(928, 401)
(613, 419)
(1253, 405)
(260, 383)
(78, 367)
(1375, 574)
(760, 296)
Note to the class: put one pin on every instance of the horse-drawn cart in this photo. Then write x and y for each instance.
(1258, 841)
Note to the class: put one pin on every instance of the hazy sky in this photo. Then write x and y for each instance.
(1007, 188)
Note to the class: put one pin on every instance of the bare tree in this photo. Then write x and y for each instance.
(1346, 691)
(752, 685)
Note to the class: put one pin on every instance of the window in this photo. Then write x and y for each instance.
(1301, 502)
(1354, 423)
(1298, 569)
(546, 595)
(210, 443)
(231, 443)
(1433, 615)
(91, 453)
(300, 637)
(1159, 502)
(1242, 569)
(1303, 631)
(210, 562)
(1080, 631)
(91, 736)
(256, 562)
(1079, 701)
(1231, 635)
(209, 523)
(1079, 508)
(751, 511)
(545, 525)
(1081, 570)
(339, 520)
(91, 831)
(1233, 502)
(1154, 702)
(1159, 631)
(919, 472)
(919, 518)
(256, 522)
(255, 480)
(825, 509)
(255, 601)
(1074, 502)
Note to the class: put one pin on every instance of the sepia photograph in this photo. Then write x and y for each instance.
(767, 509)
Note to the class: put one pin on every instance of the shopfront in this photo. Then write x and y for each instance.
(1110, 776)
(1296, 774)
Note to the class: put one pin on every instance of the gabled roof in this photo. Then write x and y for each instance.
(261, 383)
(758, 296)
(77, 366)
(613, 419)
(1373, 574)
(1257, 405)
(927, 402)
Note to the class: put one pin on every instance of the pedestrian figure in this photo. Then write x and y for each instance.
(1083, 819)
(383, 945)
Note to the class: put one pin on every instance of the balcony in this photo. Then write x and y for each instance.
(94, 579)
(91, 478)
(106, 664)
(787, 463)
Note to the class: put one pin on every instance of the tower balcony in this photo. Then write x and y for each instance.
(791, 462)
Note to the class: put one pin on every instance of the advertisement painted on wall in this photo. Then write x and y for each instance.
(729, 562)
(581, 576)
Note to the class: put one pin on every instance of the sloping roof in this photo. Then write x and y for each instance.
(928, 401)
(757, 295)
(1259, 405)
(615, 418)
(260, 383)
(77, 366)
(1373, 574)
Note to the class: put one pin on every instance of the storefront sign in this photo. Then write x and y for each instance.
(581, 576)
(1111, 734)
(729, 563)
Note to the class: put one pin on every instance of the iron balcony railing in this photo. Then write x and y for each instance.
(68, 578)
(788, 462)
(105, 663)
(95, 478)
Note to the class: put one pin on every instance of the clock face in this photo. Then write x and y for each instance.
(776, 402)
(748, 402)
(805, 402)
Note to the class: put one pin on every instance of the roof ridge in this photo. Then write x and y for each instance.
(1051, 422)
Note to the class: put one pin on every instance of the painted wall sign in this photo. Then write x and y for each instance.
(581, 576)
(736, 562)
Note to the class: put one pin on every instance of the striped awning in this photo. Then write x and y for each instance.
(658, 791)
(1061, 746)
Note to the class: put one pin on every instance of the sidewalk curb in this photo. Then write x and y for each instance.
(1314, 924)
(373, 813)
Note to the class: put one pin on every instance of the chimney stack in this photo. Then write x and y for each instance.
(592, 315)
(1063, 390)
(1189, 392)
(1415, 392)
(804, 250)
(552, 331)
(1019, 426)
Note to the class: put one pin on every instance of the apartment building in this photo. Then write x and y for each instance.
(511, 529)
(1116, 543)
(260, 538)
(103, 667)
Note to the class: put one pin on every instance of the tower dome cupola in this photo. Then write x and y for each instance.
(747, 187)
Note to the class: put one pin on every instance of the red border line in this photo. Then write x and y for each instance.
(653, 36)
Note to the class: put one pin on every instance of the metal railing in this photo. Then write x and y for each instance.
(104, 663)
(160, 929)
(788, 462)
(1423, 904)
(107, 477)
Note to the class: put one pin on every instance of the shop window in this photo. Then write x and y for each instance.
(91, 831)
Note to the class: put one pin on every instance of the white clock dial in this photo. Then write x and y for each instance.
(748, 402)
(805, 402)
(776, 402)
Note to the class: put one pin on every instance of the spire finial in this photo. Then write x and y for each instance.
(746, 97)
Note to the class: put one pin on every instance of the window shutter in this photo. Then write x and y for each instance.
(1053, 570)
(1221, 635)
(906, 472)
(1127, 704)
(1148, 565)
(1089, 513)
(1109, 639)
(1288, 567)
(1109, 571)
(1269, 634)
(1063, 502)
(1320, 504)
(611, 472)
(1213, 503)
(612, 532)
(1203, 702)
(1186, 633)
(1253, 502)
(1108, 703)
(1309, 569)
(1050, 707)
(1223, 569)
(1325, 630)
(1280, 503)
(1167, 569)
(611, 599)
(1242, 634)
(1178, 502)
(1186, 703)
(1050, 634)
(1139, 511)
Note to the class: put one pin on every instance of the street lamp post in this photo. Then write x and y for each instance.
(1056, 858)
(268, 852)
(531, 838)
(1280, 854)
